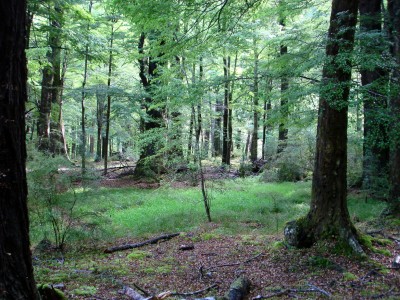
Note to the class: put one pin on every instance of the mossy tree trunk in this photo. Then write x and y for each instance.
(16, 279)
(328, 215)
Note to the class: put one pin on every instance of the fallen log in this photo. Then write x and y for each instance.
(238, 289)
(137, 245)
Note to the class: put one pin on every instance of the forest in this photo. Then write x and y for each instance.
(188, 149)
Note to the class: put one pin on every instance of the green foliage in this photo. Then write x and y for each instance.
(53, 201)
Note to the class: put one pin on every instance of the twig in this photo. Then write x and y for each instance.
(195, 292)
(137, 245)
(231, 264)
(383, 295)
(317, 289)
(312, 289)
(146, 293)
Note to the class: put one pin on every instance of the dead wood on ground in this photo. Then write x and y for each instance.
(141, 244)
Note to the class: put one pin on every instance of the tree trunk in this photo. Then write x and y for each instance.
(217, 127)
(254, 138)
(226, 145)
(154, 119)
(100, 99)
(16, 279)
(108, 97)
(83, 125)
(284, 110)
(394, 193)
(192, 116)
(374, 80)
(267, 109)
(43, 124)
(328, 215)
(57, 138)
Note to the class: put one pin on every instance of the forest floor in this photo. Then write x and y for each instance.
(216, 259)
(274, 270)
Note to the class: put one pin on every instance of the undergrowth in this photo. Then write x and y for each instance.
(240, 206)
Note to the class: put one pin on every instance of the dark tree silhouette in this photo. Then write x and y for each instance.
(16, 275)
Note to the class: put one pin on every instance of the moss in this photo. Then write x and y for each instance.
(384, 252)
(365, 240)
(278, 245)
(138, 255)
(84, 290)
(47, 292)
(209, 236)
(347, 276)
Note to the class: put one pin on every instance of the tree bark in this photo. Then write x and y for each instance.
(374, 80)
(328, 215)
(16, 279)
(394, 192)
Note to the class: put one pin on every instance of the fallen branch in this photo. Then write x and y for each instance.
(319, 290)
(195, 292)
(137, 245)
(231, 264)
(134, 295)
(279, 293)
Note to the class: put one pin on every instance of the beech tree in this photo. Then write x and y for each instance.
(16, 279)
(328, 215)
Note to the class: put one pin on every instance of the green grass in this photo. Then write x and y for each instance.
(241, 206)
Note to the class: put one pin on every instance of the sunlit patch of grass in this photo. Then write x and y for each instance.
(235, 206)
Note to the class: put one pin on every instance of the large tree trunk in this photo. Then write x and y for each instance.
(374, 80)
(328, 215)
(394, 194)
(16, 279)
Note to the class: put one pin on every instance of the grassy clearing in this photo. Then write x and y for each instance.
(241, 206)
